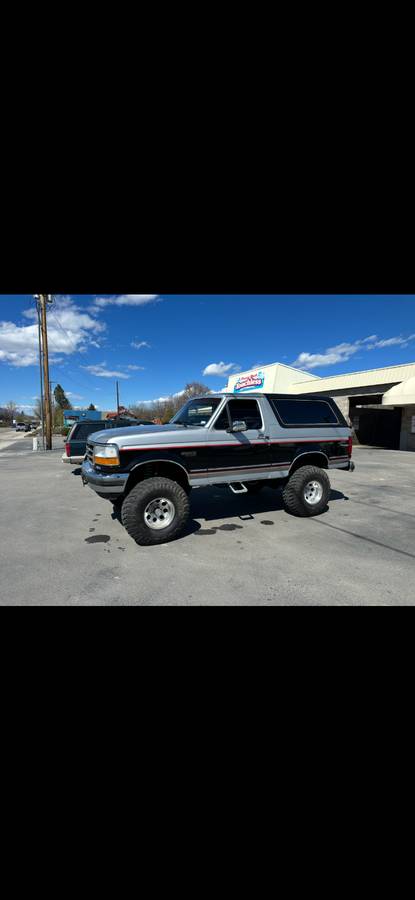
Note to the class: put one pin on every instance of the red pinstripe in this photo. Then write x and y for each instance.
(196, 446)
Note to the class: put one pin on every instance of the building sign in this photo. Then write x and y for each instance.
(413, 425)
(252, 382)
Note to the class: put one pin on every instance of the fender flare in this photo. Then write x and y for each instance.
(309, 453)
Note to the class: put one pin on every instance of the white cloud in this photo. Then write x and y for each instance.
(159, 399)
(392, 342)
(72, 396)
(138, 345)
(70, 330)
(100, 371)
(136, 368)
(221, 368)
(125, 300)
(343, 352)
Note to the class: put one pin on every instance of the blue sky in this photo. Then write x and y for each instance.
(155, 344)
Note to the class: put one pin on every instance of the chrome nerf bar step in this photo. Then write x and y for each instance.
(241, 490)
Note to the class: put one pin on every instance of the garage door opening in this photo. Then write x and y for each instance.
(375, 426)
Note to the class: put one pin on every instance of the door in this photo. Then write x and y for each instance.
(245, 451)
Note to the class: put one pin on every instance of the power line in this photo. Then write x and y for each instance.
(73, 383)
(65, 332)
(75, 349)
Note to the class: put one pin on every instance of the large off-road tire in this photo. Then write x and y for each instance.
(155, 511)
(307, 492)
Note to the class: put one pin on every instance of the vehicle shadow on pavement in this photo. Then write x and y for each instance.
(210, 503)
(76, 471)
(213, 504)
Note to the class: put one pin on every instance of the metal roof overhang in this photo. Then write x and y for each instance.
(401, 395)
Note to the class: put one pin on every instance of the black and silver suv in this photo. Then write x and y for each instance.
(245, 442)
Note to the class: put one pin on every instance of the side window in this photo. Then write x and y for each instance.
(84, 431)
(246, 411)
(91, 429)
(222, 423)
(301, 413)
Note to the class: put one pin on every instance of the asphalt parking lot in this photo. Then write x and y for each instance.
(60, 544)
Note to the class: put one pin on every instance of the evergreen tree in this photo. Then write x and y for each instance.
(61, 398)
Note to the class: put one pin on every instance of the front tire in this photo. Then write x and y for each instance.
(155, 511)
(307, 492)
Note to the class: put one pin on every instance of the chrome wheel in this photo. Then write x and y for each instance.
(159, 513)
(313, 492)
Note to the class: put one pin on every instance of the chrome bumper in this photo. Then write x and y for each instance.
(73, 460)
(103, 484)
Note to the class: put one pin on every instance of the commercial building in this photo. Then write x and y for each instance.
(72, 416)
(380, 403)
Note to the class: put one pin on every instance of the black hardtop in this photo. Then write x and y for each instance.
(258, 395)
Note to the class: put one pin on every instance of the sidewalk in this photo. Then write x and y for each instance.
(10, 437)
(21, 444)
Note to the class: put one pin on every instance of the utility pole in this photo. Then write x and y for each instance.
(42, 400)
(44, 299)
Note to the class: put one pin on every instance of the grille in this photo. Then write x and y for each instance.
(90, 452)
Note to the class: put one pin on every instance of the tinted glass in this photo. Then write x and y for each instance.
(85, 430)
(222, 423)
(304, 412)
(245, 411)
(196, 412)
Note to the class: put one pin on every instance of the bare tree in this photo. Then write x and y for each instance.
(37, 409)
(11, 410)
(194, 389)
(164, 410)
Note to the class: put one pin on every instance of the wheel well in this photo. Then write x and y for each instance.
(163, 468)
(317, 458)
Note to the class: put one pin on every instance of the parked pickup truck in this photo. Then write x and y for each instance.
(264, 440)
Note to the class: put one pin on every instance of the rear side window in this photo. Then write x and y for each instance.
(85, 431)
(300, 413)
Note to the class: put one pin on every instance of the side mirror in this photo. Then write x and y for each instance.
(237, 427)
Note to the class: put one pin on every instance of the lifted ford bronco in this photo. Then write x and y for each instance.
(245, 442)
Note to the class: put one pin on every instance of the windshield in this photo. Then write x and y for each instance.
(196, 412)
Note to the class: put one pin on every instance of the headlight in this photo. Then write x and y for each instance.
(106, 455)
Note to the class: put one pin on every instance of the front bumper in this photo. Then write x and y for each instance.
(112, 483)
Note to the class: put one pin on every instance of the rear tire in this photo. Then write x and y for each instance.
(155, 511)
(307, 492)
